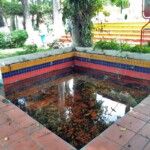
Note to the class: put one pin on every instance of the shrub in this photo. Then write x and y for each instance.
(19, 37)
(13, 39)
(106, 13)
(125, 47)
(2, 41)
(121, 46)
(148, 43)
(107, 45)
(28, 49)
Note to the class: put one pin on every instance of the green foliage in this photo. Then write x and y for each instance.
(34, 9)
(12, 8)
(125, 47)
(43, 9)
(19, 37)
(13, 39)
(15, 8)
(107, 45)
(114, 45)
(118, 3)
(106, 13)
(2, 41)
(148, 43)
(143, 49)
(28, 49)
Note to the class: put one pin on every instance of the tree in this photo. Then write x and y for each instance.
(12, 10)
(40, 9)
(1, 15)
(81, 13)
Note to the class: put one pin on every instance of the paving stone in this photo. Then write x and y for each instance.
(143, 108)
(1, 146)
(24, 144)
(115, 134)
(8, 107)
(25, 121)
(146, 100)
(102, 143)
(139, 116)
(147, 147)
(123, 148)
(60, 145)
(7, 129)
(4, 118)
(32, 129)
(131, 123)
(12, 138)
(2, 105)
(45, 137)
(145, 131)
(15, 113)
(137, 142)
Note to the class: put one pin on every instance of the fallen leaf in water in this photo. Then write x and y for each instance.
(123, 129)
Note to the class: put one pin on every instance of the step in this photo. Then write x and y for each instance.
(130, 36)
(119, 31)
(122, 40)
(132, 41)
(119, 27)
(121, 24)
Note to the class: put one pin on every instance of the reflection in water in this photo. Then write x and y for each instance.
(22, 103)
(78, 109)
(112, 110)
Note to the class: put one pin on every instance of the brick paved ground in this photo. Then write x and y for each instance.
(18, 131)
(132, 132)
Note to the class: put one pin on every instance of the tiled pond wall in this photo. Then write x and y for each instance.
(122, 63)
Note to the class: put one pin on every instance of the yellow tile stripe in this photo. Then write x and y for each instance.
(35, 62)
(140, 63)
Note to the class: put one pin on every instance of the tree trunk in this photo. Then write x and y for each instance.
(27, 23)
(57, 19)
(76, 37)
(1, 15)
(12, 22)
(16, 22)
(39, 15)
(26, 15)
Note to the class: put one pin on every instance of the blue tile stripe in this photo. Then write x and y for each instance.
(36, 67)
(100, 62)
(112, 64)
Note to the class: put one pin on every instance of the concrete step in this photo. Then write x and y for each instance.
(118, 31)
(133, 41)
(147, 37)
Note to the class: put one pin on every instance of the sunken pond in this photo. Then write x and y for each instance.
(77, 104)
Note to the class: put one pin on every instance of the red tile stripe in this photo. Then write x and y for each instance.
(37, 72)
(113, 70)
